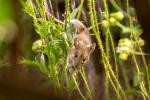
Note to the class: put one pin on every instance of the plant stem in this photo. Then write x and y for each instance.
(104, 58)
(74, 79)
(82, 72)
(80, 9)
(116, 90)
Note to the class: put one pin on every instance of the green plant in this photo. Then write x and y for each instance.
(56, 38)
(54, 42)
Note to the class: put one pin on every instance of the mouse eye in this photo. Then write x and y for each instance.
(83, 59)
(76, 56)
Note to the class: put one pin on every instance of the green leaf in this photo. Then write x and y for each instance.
(28, 8)
(133, 92)
(137, 79)
(74, 13)
(35, 63)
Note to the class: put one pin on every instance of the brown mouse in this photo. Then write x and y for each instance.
(82, 48)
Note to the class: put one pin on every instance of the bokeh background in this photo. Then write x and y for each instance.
(19, 82)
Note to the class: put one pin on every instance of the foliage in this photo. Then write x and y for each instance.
(52, 46)
(56, 38)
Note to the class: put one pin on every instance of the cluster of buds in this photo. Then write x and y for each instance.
(113, 19)
(140, 42)
(125, 48)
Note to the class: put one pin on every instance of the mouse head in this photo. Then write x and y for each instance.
(79, 55)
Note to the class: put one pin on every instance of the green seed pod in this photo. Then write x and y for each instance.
(37, 45)
(126, 30)
(125, 43)
(123, 56)
(105, 23)
(112, 21)
(117, 15)
(140, 42)
(125, 48)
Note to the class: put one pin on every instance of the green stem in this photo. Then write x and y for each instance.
(114, 77)
(66, 76)
(56, 75)
(124, 73)
(67, 7)
(74, 79)
(107, 30)
(145, 64)
(116, 90)
(80, 9)
(114, 53)
(104, 58)
(82, 72)
(108, 35)
(107, 82)
(138, 71)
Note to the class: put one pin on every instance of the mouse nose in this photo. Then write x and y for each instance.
(76, 65)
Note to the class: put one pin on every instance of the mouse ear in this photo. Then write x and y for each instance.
(80, 29)
(92, 47)
(76, 43)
